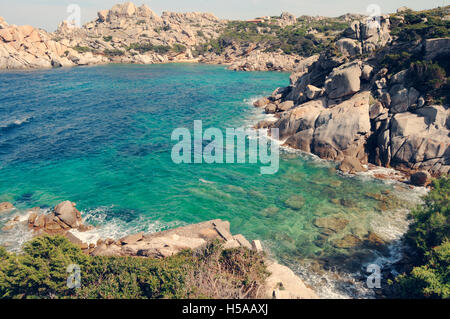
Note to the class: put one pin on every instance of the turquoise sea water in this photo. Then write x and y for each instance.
(100, 137)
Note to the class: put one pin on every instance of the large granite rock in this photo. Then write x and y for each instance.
(331, 133)
(342, 131)
(402, 98)
(24, 47)
(286, 19)
(420, 140)
(344, 80)
(284, 284)
(64, 217)
(258, 60)
(349, 47)
(67, 213)
(351, 165)
(300, 118)
(371, 33)
(436, 47)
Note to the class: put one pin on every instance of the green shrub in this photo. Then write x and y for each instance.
(41, 272)
(108, 38)
(420, 25)
(431, 280)
(148, 47)
(426, 75)
(396, 62)
(429, 235)
(81, 49)
(178, 48)
(114, 52)
(432, 220)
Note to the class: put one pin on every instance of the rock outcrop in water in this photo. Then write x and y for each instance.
(63, 218)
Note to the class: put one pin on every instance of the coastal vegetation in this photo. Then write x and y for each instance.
(303, 38)
(429, 237)
(82, 49)
(420, 25)
(431, 77)
(41, 272)
(160, 49)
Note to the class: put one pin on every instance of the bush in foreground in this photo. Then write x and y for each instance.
(429, 235)
(41, 272)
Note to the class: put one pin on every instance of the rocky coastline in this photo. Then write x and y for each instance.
(356, 111)
(343, 105)
(66, 220)
(130, 34)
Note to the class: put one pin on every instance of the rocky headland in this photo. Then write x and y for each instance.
(130, 34)
(362, 104)
(66, 220)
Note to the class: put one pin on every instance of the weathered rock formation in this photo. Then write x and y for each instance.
(117, 31)
(26, 47)
(265, 61)
(355, 110)
(365, 36)
(130, 34)
(61, 220)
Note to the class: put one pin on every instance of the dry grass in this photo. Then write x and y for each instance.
(227, 274)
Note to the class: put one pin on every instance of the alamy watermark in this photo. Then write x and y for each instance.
(74, 19)
(260, 146)
(74, 278)
(374, 279)
(374, 16)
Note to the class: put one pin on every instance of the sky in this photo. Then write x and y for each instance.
(47, 14)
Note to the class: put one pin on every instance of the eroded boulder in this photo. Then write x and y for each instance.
(343, 81)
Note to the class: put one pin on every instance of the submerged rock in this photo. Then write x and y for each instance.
(334, 224)
(295, 202)
(348, 241)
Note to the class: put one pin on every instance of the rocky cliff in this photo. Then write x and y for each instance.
(26, 47)
(375, 100)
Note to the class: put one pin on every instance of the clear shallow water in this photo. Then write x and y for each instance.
(100, 137)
